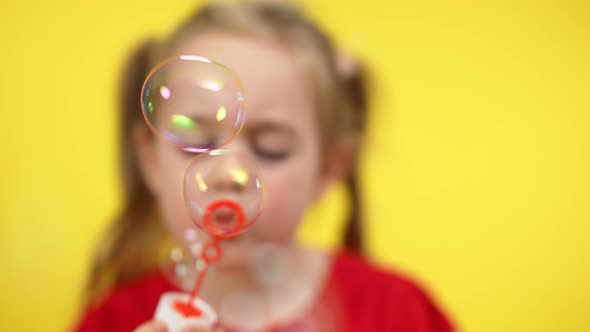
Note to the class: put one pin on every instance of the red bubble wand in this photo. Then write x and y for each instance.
(211, 252)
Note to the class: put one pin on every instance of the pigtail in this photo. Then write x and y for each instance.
(135, 70)
(121, 253)
(354, 77)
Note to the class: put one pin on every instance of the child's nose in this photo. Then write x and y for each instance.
(226, 182)
(230, 175)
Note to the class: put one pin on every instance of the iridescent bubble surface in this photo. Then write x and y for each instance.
(194, 102)
(223, 192)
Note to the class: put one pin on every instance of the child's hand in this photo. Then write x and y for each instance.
(153, 326)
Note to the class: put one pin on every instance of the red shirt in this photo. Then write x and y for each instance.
(364, 297)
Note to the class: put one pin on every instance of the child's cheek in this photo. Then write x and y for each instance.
(287, 196)
(171, 202)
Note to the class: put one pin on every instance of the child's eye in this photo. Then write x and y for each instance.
(270, 154)
(272, 141)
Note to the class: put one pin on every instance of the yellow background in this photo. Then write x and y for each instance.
(476, 170)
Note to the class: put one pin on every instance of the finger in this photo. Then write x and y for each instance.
(195, 329)
(152, 326)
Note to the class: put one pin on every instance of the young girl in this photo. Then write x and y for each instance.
(305, 119)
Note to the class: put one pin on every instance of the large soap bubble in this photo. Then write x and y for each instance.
(194, 102)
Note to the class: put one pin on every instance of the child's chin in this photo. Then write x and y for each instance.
(236, 254)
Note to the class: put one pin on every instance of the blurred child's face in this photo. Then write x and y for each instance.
(281, 134)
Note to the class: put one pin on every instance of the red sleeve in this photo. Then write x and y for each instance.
(419, 312)
(126, 307)
(378, 300)
(94, 320)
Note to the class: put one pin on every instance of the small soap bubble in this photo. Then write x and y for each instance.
(181, 270)
(200, 265)
(190, 234)
(196, 249)
(223, 192)
(176, 254)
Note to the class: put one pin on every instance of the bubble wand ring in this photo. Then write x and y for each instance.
(213, 207)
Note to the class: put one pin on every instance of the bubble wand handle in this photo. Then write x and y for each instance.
(210, 254)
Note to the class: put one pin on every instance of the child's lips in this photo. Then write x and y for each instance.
(224, 217)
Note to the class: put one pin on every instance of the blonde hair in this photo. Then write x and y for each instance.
(131, 246)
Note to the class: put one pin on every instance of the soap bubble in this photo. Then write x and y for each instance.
(193, 102)
(178, 267)
(181, 261)
(190, 235)
(245, 309)
(223, 192)
(269, 264)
